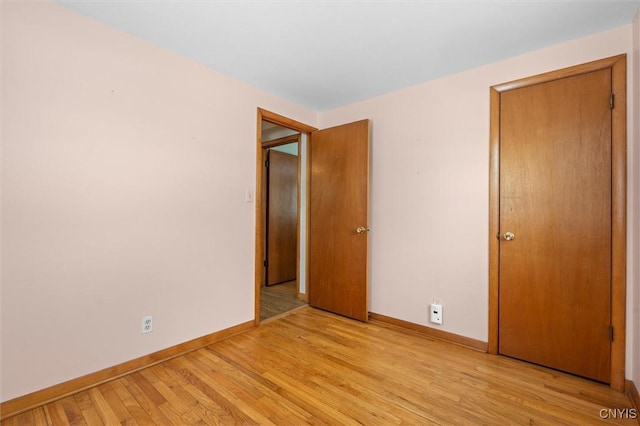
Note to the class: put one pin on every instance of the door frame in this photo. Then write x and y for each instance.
(260, 234)
(618, 67)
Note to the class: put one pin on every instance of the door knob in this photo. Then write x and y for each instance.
(509, 236)
(362, 229)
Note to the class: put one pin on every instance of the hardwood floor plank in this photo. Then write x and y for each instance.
(184, 402)
(40, 417)
(149, 404)
(102, 407)
(210, 411)
(35, 417)
(55, 414)
(312, 367)
(89, 411)
(138, 414)
(111, 399)
(25, 419)
(265, 393)
(234, 396)
(181, 412)
(72, 411)
(304, 392)
(213, 390)
(317, 416)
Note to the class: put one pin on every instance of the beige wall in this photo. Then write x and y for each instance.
(430, 167)
(125, 170)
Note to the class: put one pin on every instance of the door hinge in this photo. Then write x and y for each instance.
(265, 263)
(611, 97)
(266, 163)
(611, 333)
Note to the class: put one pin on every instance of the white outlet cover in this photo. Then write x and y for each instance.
(436, 313)
(147, 324)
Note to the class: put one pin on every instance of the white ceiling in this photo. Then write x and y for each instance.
(324, 54)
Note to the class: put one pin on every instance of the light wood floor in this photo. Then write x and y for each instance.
(311, 367)
(278, 299)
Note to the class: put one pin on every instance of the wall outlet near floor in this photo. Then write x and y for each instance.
(436, 313)
(147, 324)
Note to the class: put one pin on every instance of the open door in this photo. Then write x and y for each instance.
(338, 220)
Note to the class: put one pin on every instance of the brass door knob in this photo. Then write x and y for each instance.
(509, 236)
(362, 229)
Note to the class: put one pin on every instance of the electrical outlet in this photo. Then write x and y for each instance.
(436, 313)
(147, 324)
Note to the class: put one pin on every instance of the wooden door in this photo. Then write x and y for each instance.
(339, 205)
(555, 198)
(282, 217)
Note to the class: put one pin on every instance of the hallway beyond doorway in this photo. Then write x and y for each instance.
(278, 299)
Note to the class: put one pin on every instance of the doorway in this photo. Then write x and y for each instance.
(557, 220)
(280, 290)
(280, 216)
(333, 215)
